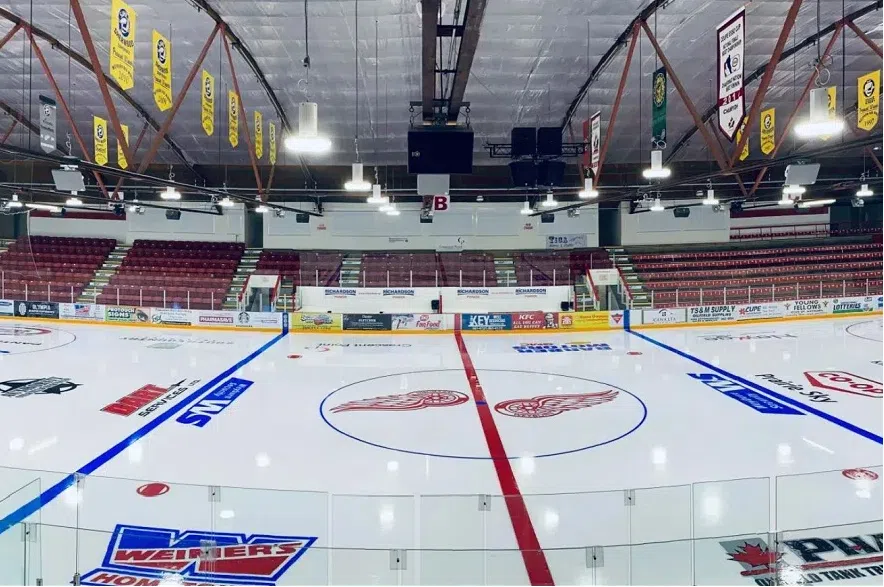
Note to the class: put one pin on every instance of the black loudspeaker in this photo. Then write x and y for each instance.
(566, 306)
(524, 141)
(550, 173)
(681, 212)
(440, 151)
(434, 305)
(547, 218)
(549, 141)
(302, 218)
(524, 173)
(173, 214)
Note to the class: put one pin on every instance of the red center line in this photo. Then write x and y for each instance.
(526, 538)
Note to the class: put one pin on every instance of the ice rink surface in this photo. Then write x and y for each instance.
(345, 452)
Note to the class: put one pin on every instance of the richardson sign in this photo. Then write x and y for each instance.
(535, 320)
(726, 313)
(806, 307)
(808, 560)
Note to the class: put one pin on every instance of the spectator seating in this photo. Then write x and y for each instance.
(187, 274)
(557, 267)
(763, 274)
(466, 269)
(303, 268)
(46, 268)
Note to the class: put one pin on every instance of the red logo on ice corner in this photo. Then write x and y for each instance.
(152, 490)
(131, 403)
(400, 402)
(845, 382)
(860, 474)
(545, 406)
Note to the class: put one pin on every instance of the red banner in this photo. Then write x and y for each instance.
(535, 320)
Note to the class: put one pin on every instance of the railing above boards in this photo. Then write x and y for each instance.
(762, 293)
(805, 230)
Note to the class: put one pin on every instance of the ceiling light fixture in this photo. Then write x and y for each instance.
(226, 202)
(46, 207)
(821, 123)
(864, 191)
(526, 209)
(710, 198)
(656, 170)
(657, 206)
(308, 140)
(170, 193)
(793, 190)
(392, 210)
(14, 203)
(385, 206)
(815, 203)
(550, 201)
(262, 209)
(357, 183)
(375, 197)
(73, 201)
(587, 192)
(786, 200)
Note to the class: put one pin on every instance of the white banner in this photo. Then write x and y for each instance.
(566, 241)
(170, 317)
(429, 322)
(79, 311)
(7, 307)
(504, 299)
(664, 316)
(807, 308)
(214, 318)
(259, 320)
(758, 311)
(725, 313)
(367, 300)
(604, 276)
(731, 45)
(595, 142)
(450, 244)
(854, 305)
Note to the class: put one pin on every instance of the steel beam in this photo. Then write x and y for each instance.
(64, 107)
(122, 142)
(10, 34)
(19, 117)
(810, 41)
(804, 93)
(179, 99)
(609, 132)
(766, 78)
(429, 18)
(859, 33)
(134, 152)
(9, 131)
(243, 118)
(473, 16)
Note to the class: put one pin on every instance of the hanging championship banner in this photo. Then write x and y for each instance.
(47, 124)
(768, 131)
(207, 103)
(831, 106)
(868, 91)
(271, 139)
(121, 155)
(744, 154)
(595, 142)
(731, 43)
(232, 118)
(658, 106)
(259, 135)
(162, 71)
(122, 44)
(99, 136)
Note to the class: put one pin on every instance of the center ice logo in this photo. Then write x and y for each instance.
(141, 555)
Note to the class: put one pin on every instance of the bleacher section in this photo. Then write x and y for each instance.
(302, 268)
(45, 268)
(186, 274)
(763, 274)
(557, 267)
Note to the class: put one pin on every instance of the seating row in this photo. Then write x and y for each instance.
(814, 249)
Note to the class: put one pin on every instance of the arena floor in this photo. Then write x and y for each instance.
(372, 459)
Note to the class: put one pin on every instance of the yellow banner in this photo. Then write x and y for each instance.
(162, 71)
(583, 320)
(259, 135)
(868, 91)
(310, 321)
(122, 44)
(744, 154)
(272, 143)
(207, 103)
(232, 118)
(768, 131)
(121, 155)
(832, 101)
(99, 139)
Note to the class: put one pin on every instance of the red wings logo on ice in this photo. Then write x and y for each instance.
(844, 382)
(545, 406)
(415, 400)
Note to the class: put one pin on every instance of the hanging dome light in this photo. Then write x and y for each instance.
(170, 193)
(657, 206)
(385, 206)
(392, 210)
(710, 198)
(356, 183)
(864, 191)
(14, 202)
(821, 123)
(308, 140)
(656, 170)
(587, 192)
(226, 202)
(375, 197)
(793, 190)
(262, 209)
(526, 209)
(550, 201)
(73, 201)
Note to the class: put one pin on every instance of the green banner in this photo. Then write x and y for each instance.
(658, 106)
